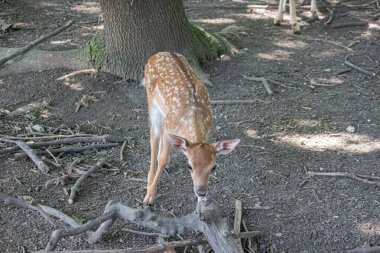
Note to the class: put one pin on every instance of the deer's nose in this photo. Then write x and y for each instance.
(201, 191)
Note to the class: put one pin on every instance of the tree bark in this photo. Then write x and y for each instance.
(136, 29)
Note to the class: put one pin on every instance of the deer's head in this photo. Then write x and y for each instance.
(202, 159)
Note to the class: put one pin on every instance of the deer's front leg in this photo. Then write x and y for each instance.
(293, 17)
(163, 161)
(280, 12)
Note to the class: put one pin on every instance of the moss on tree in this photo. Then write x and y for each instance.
(94, 51)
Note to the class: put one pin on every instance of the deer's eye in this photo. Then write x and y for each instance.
(213, 168)
(189, 167)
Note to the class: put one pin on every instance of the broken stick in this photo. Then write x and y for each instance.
(36, 42)
(348, 63)
(75, 188)
(33, 155)
(260, 79)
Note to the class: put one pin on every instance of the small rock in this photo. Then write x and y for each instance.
(278, 234)
(350, 129)
(38, 128)
(218, 128)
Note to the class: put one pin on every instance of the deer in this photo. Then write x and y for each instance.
(180, 118)
(293, 15)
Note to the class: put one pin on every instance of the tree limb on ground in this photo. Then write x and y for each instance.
(69, 140)
(72, 149)
(36, 42)
(206, 218)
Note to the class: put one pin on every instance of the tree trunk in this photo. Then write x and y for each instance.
(136, 29)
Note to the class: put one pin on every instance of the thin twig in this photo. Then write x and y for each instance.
(33, 155)
(349, 24)
(36, 42)
(350, 64)
(260, 79)
(326, 41)
(141, 232)
(360, 178)
(50, 162)
(330, 17)
(122, 150)
(232, 102)
(75, 188)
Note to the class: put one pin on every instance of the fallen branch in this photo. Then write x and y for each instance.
(36, 42)
(39, 138)
(8, 200)
(72, 149)
(151, 249)
(232, 102)
(73, 140)
(349, 24)
(365, 250)
(260, 79)
(348, 63)
(85, 175)
(33, 155)
(361, 178)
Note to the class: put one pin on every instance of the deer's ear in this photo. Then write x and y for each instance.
(179, 142)
(225, 147)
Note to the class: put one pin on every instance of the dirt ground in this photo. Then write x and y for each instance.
(301, 127)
